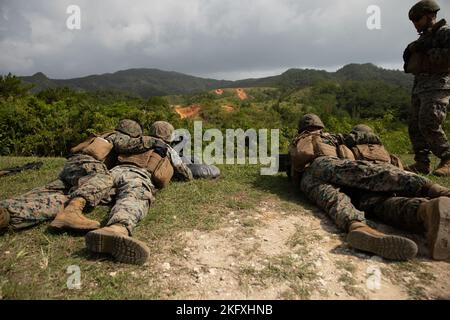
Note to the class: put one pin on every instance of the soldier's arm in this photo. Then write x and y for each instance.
(124, 144)
(442, 53)
(182, 172)
(356, 138)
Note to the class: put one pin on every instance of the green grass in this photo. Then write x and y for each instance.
(33, 262)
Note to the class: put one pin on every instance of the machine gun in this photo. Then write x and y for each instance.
(15, 170)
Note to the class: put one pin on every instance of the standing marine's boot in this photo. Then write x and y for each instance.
(443, 168)
(4, 218)
(115, 241)
(435, 215)
(364, 238)
(419, 167)
(72, 217)
(434, 190)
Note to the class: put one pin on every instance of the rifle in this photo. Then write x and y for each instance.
(15, 170)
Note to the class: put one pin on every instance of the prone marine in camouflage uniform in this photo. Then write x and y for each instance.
(322, 176)
(84, 180)
(428, 58)
(409, 213)
(136, 179)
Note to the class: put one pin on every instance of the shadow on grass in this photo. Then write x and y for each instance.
(286, 190)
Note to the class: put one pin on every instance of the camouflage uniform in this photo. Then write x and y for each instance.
(36, 206)
(400, 212)
(82, 176)
(134, 191)
(430, 97)
(324, 180)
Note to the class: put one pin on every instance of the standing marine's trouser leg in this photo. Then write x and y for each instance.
(38, 205)
(420, 145)
(134, 193)
(399, 212)
(87, 178)
(330, 199)
(368, 176)
(432, 114)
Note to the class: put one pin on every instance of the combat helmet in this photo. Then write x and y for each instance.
(308, 121)
(423, 7)
(362, 128)
(129, 127)
(162, 130)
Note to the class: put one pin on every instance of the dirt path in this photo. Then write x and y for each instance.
(273, 254)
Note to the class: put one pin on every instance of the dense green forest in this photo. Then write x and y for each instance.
(49, 122)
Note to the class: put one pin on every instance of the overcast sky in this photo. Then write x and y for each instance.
(226, 39)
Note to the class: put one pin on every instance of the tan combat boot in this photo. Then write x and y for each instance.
(419, 167)
(435, 215)
(364, 238)
(115, 241)
(4, 218)
(443, 169)
(72, 218)
(434, 190)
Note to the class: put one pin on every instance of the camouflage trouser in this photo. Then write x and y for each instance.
(38, 205)
(82, 176)
(428, 113)
(133, 195)
(323, 179)
(87, 178)
(400, 212)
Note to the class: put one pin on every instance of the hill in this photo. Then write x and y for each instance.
(140, 82)
(153, 82)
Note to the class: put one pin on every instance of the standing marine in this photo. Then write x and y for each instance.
(428, 59)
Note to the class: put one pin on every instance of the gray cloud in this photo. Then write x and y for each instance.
(211, 38)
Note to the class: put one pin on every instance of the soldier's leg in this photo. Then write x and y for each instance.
(420, 145)
(400, 212)
(87, 178)
(360, 236)
(433, 112)
(36, 206)
(417, 215)
(368, 176)
(134, 193)
(330, 199)
(89, 181)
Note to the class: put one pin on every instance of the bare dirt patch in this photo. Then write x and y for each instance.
(228, 108)
(241, 94)
(192, 111)
(269, 253)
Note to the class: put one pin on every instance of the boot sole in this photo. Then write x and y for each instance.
(439, 235)
(122, 248)
(63, 225)
(389, 247)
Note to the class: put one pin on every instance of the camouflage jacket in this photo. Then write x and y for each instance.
(355, 138)
(124, 144)
(435, 44)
